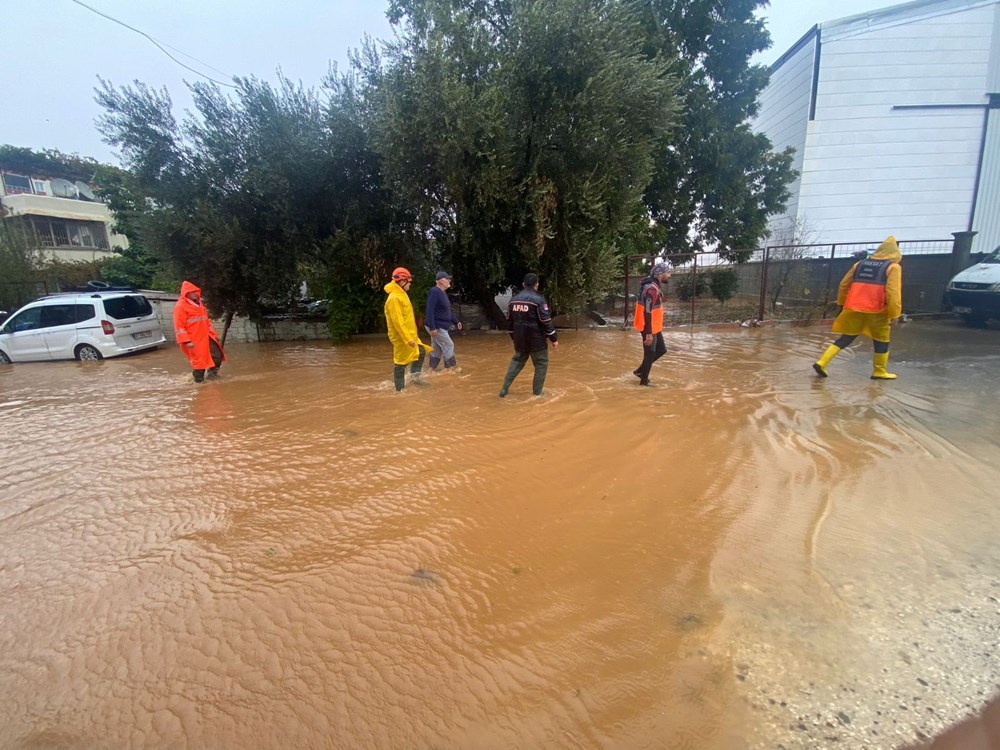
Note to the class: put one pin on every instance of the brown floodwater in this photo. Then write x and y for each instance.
(744, 556)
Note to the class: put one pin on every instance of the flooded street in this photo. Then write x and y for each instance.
(745, 556)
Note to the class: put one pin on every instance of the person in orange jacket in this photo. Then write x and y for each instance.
(871, 295)
(195, 334)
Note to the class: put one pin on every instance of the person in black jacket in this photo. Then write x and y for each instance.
(531, 329)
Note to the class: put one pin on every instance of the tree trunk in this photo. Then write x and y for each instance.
(488, 300)
(225, 327)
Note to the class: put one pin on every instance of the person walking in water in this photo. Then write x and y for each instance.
(438, 320)
(531, 329)
(195, 334)
(402, 327)
(648, 319)
(870, 294)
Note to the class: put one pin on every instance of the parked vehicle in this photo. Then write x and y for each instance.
(975, 292)
(79, 325)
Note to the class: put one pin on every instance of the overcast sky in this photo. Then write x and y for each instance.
(56, 49)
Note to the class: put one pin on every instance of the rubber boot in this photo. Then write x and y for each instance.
(399, 376)
(879, 361)
(433, 362)
(820, 366)
(516, 365)
(449, 363)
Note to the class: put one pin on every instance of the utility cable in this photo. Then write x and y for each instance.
(160, 46)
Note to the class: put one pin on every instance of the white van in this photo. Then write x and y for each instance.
(84, 326)
(975, 292)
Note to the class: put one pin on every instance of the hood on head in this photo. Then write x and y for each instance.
(888, 250)
(187, 287)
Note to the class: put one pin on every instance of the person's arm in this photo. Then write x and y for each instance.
(180, 327)
(545, 321)
(845, 285)
(430, 314)
(893, 291)
(648, 302)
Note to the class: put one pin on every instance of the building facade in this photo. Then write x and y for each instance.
(894, 116)
(68, 219)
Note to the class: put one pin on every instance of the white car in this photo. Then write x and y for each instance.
(975, 292)
(81, 325)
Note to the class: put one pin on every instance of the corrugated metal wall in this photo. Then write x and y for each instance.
(987, 217)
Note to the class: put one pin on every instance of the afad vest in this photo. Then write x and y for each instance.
(867, 292)
(639, 317)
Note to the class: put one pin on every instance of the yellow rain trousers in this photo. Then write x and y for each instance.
(402, 325)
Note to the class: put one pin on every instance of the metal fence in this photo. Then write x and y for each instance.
(784, 282)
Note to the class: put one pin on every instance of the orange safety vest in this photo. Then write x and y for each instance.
(867, 291)
(639, 318)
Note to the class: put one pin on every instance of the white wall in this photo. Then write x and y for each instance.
(894, 146)
(784, 115)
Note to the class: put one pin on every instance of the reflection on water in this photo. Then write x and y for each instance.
(297, 556)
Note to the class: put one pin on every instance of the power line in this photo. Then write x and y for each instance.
(162, 47)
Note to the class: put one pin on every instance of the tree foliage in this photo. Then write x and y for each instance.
(522, 133)
(717, 181)
(48, 163)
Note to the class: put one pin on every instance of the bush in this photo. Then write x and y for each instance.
(724, 283)
(687, 286)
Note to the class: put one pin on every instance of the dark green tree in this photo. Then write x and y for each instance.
(717, 181)
(521, 133)
(723, 283)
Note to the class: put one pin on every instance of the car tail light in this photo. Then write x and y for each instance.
(107, 326)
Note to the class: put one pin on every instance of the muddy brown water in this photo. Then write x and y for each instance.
(296, 556)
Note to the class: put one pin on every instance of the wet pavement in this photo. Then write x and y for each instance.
(745, 556)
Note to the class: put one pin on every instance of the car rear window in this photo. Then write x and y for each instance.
(131, 306)
(84, 312)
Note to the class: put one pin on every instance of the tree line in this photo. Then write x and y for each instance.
(487, 137)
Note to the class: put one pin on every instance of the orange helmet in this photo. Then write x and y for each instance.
(401, 274)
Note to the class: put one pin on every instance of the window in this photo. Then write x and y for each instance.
(84, 312)
(132, 306)
(29, 320)
(69, 233)
(58, 315)
(14, 184)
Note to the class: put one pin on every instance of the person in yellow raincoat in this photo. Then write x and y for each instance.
(870, 294)
(407, 348)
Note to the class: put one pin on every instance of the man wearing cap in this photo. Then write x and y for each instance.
(438, 320)
(531, 329)
(406, 345)
(648, 320)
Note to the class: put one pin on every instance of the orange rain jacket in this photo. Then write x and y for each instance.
(191, 323)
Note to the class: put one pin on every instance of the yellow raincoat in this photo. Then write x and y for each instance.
(402, 325)
(875, 325)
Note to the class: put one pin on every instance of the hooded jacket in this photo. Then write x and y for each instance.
(874, 285)
(191, 324)
(401, 325)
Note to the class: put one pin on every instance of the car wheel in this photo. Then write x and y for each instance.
(87, 353)
(4, 359)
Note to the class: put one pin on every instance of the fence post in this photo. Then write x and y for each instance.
(961, 250)
(829, 277)
(694, 286)
(763, 284)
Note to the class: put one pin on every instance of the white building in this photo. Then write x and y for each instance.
(894, 116)
(69, 220)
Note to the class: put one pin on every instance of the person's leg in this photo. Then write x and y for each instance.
(436, 353)
(516, 365)
(879, 361)
(216, 358)
(399, 376)
(540, 361)
(416, 367)
(648, 357)
(447, 348)
(199, 376)
(832, 351)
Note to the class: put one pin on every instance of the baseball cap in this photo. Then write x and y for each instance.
(442, 275)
